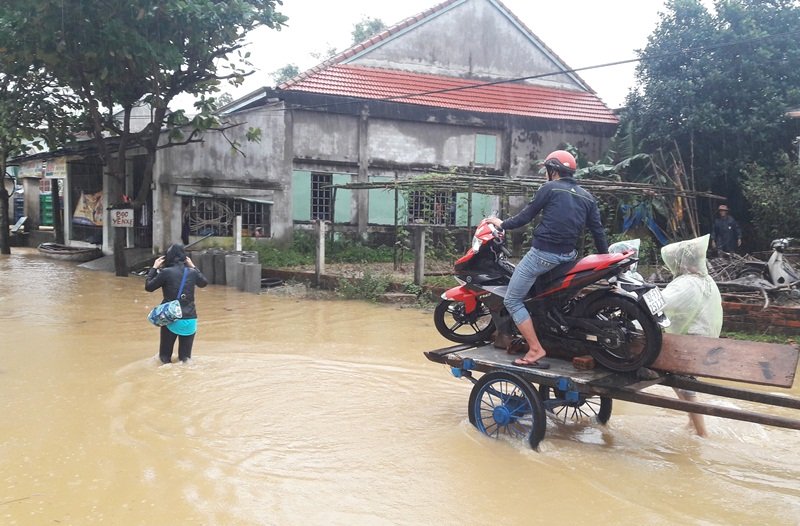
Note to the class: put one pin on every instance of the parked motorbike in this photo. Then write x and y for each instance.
(593, 305)
(775, 270)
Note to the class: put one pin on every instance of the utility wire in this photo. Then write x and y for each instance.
(684, 51)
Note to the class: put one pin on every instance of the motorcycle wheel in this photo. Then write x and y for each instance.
(753, 271)
(454, 323)
(640, 337)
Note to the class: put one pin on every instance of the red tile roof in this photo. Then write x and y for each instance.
(452, 92)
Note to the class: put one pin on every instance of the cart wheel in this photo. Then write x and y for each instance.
(503, 403)
(585, 407)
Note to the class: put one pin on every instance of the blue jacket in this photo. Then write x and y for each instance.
(566, 209)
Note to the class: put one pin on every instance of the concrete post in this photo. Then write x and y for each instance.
(319, 264)
(233, 269)
(218, 257)
(251, 277)
(251, 259)
(205, 262)
(237, 233)
(419, 255)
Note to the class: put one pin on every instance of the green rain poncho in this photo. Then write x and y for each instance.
(694, 305)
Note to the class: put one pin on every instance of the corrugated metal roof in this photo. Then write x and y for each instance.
(454, 93)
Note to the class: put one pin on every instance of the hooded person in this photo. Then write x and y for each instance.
(694, 304)
(167, 273)
(693, 301)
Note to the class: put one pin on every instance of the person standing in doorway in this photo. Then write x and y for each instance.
(726, 235)
(167, 274)
(566, 210)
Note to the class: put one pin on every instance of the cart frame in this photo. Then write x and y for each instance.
(573, 386)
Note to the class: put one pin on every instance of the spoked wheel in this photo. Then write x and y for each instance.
(575, 408)
(454, 323)
(503, 404)
(631, 341)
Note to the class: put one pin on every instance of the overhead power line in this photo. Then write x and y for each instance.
(684, 51)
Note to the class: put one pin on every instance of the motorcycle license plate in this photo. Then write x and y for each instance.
(654, 300)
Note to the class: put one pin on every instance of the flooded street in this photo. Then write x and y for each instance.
(321, 412)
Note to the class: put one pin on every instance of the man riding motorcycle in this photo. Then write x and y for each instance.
(566, 209)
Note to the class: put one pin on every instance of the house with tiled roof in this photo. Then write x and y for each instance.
(464, 86)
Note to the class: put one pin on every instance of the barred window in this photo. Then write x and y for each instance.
(209, 216)
(436, 208)
(321, 196)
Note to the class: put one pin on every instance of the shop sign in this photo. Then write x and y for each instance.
(122, 217)
(32, 169)
(56, 168)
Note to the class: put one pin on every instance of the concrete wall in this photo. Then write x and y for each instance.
(325, 142)
(490, 45)
(214, 167)
(532, 141)
(325, 136)
(423, 143)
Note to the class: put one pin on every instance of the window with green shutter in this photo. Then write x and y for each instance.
(485, 150)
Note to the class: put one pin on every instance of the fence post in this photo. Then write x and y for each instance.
(319, 263)
(419, 255)
(237, 234)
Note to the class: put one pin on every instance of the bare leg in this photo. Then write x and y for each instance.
(535, 349)
(696, 420)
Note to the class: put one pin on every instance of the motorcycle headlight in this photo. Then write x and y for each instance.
(476, 244)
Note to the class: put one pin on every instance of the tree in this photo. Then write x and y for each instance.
(287, 72)
(117, 54)
(362, 30)
(34, 112)
(774, 197)
(367, 28)
(717, 86)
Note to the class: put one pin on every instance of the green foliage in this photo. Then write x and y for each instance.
(412, 288)
(302, 251)
(369, 286)
(716, 86)
(441, 246)
(758, 337)
(774, 197)
(366, 28)
(118, 54)
(275, 256)
(287, 72)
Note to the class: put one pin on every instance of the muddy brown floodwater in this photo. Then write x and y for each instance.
(320, 412)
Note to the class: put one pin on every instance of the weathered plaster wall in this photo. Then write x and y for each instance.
(489, 45)
(321, 136)
(424, 143)
(532, 142)
(214, 166)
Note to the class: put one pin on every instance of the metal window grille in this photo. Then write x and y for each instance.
(209, 216)
(321, 193)
(436, 208)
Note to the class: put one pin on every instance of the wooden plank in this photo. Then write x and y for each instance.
(699, 386)
(738, 360)
(655, 400)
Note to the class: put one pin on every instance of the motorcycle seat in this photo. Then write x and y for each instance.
(591, 262)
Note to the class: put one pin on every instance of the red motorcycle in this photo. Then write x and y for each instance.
(593, 305)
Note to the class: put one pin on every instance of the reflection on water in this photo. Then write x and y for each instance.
(320, 412)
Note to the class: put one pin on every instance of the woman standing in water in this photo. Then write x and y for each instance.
(167, 274)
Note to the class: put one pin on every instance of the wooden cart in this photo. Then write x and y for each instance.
(513, 400)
